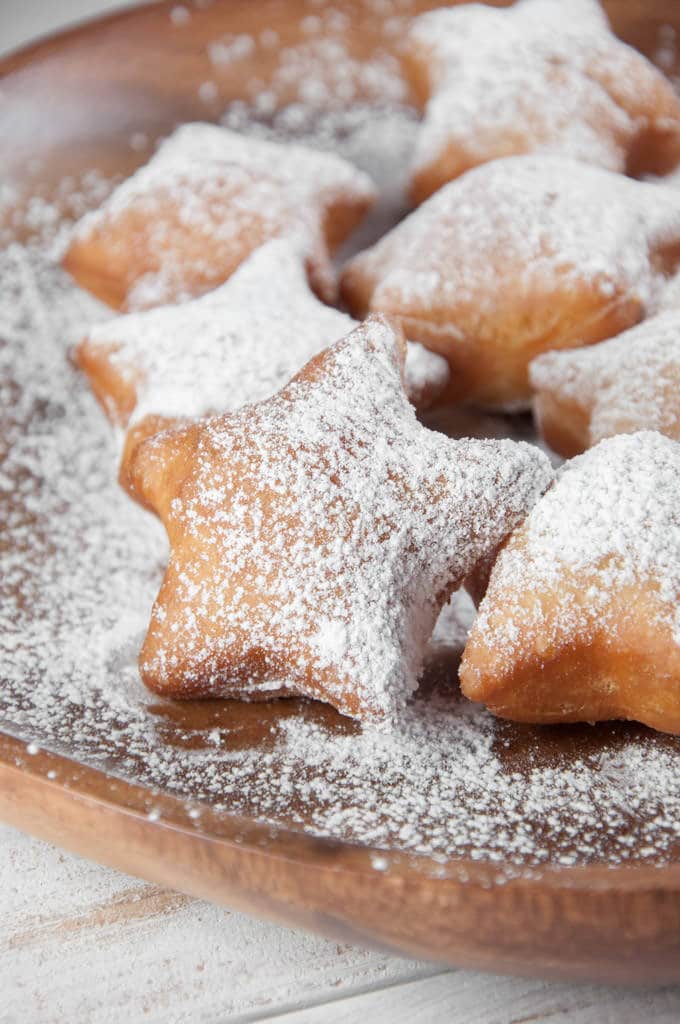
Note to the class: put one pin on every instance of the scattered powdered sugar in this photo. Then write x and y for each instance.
(237, 344)
(321, 69)
(665, 53)
(180, 15)
(629, 383)
(541, 77)
(450, 783)
(79, 567)
(78, 564)
(316, 535)
(48, 220)
(528, 226)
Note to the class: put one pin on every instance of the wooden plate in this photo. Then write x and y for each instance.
(97, 98)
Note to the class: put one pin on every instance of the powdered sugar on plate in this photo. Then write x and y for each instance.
(318, 69)
(79, 566)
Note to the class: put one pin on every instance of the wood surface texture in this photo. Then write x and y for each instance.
(84, 944)
(135, 73)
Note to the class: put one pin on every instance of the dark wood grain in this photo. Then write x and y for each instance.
(70, 104)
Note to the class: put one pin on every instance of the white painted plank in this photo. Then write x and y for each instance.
(81, 943)
(463, 997)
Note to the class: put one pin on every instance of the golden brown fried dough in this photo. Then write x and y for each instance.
(238, 344)
(316, 535)
(209, 197)
(581, 619)
(516, 258)
(543, 76)
(629, 383)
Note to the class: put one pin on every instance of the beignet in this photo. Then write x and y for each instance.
(209, 197)
(516, 258)
(316, 535)
(542, 76)
(581, 618)
(235, 345)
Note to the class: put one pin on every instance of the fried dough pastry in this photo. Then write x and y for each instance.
(316, 535)
(516, 258)
(151, 370)
(581, 619)
(543, 76)
(209, 197)
(629, 383)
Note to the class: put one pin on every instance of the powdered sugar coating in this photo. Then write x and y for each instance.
(310, 176)
(516, 257)
(315, 536)
(237, 344)
(554, 221)
(272, 191)
(611, 521)
(426, 374)
(78, 571)
(629, 383)
(541, 77)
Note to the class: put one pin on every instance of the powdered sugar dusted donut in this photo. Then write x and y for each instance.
(316, 535)
(208, 198)
(541, 77)
(629, 383)
(581, 619)
(516, 258)
(237, 344)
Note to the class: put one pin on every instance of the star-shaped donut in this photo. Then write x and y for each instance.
(629, 383)
(581, 618)
(316, 535)
(518, 257)
(543, 76)
(235, 345)
(209, 197)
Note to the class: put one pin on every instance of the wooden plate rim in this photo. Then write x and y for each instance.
(24, 55)
(86, 783)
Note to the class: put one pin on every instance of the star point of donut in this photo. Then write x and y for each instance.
(581, 618)
(236, 345)
(185, 221)
(540, 76)
(316, 535)
(626, 384)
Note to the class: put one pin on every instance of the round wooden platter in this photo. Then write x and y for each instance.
(74, 103)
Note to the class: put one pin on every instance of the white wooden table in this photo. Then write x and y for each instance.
(85, 945)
